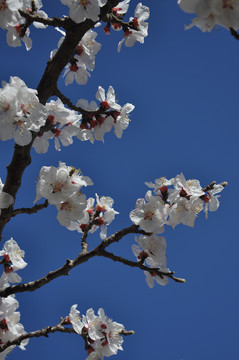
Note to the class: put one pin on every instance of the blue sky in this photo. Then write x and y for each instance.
(184, 85)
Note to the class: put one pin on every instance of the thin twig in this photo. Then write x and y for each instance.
(38, 333)
(55, 21)
(49, 330)
(154, 271)
(234, 33)
(70, 264)
(211, 186)
(67, 102)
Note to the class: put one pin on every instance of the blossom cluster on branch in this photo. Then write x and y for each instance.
(32, 120)
(10, 328)
(211, 13)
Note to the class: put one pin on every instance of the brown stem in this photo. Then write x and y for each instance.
(70, 264)
(234, 33)
(38, 333)
(33, 210)
(36, 18)
(46, 331)
(140, 266)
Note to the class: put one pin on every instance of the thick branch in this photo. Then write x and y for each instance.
(140, 266)
(70, 264)
(33, 210)
(74, 33)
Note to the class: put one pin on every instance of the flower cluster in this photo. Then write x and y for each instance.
(83, 59)
(174, 201)
(154, 254)
(21, 115)
(62, 187)
(10, 328)
(139, 27)
(101, 334)
(97, 121)
(63, 124)
(211, 13)
(20, 112)
(16, 26)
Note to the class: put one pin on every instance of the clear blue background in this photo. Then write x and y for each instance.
(184, 85)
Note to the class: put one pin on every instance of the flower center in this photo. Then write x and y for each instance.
(148, 215)
(3, 5)
(57, 187)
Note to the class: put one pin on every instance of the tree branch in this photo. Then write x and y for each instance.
(49, 330)
(139, 265)
(70, 264)
(46, 21)
(234, 33)
(38, 333)
(34, 209)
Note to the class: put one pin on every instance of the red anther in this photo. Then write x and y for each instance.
(116, 26)
(100, 120)
(3, 325)
(18, 29)
(116, 10)
(6, 257)
(127, 33)
(93, 124)
(104, 105)
(99, 221)
(74, 67)
(8, 269)
(103, 326)
(206, 198)
(100, 208)
(142, 255)
(57, 132)
(183, 193)
(105, 342)
(90, 211)
(67, 320)
(135, 22)
(79, 50)
(107, 30)
(50, 118)
(163, 189)
(115, 115)
(83, 226)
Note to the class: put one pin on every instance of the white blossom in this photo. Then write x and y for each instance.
(58, 185)
(80, 10)
(131, 36)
